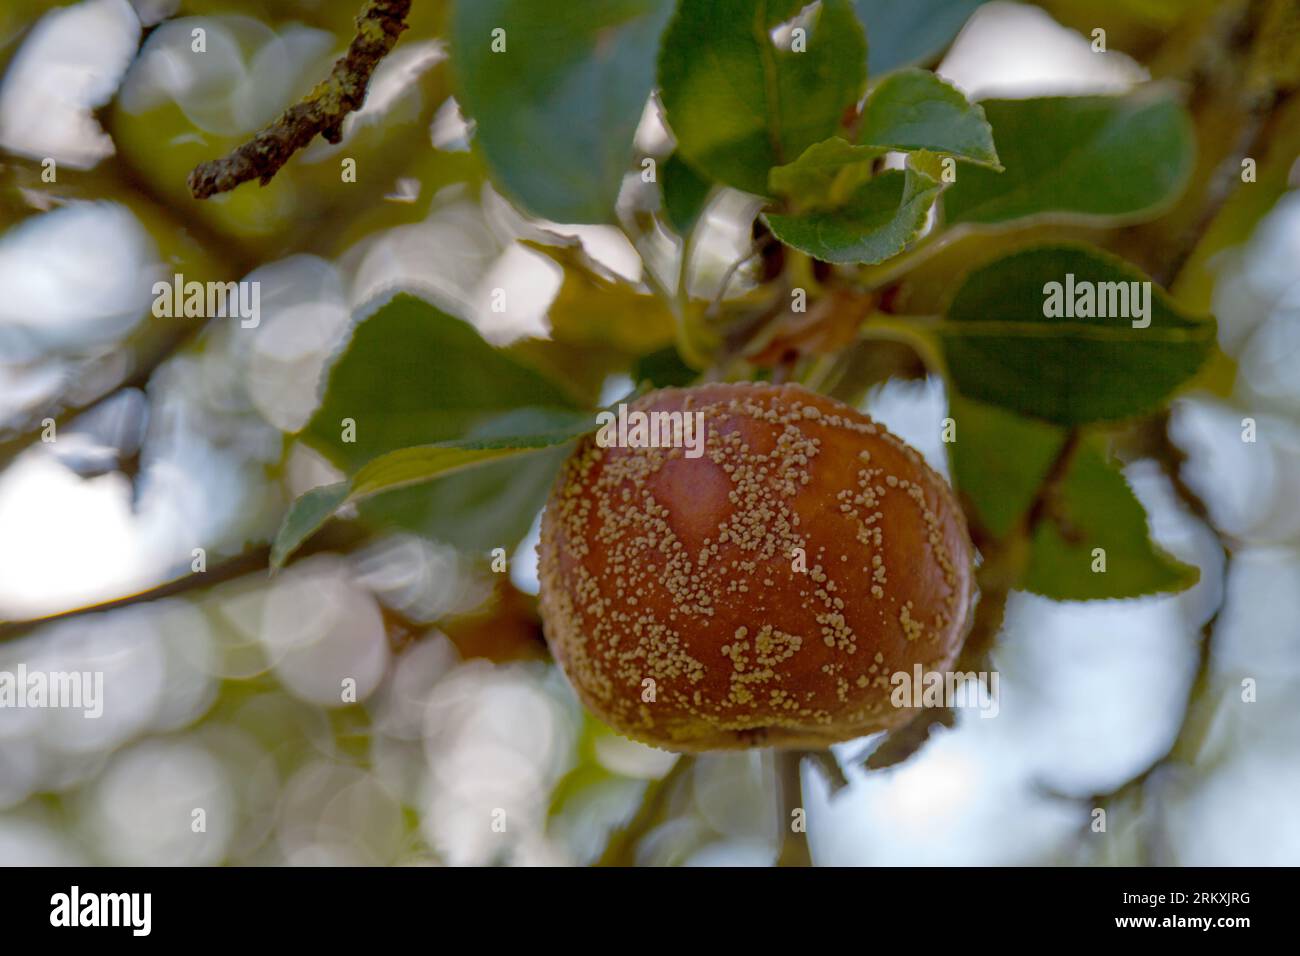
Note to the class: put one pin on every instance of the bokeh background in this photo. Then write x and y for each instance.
(226, 697)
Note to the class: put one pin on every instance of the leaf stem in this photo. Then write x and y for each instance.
(910, 331)
(677, 299)
(789, 781)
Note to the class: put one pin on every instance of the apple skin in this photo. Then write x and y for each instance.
(761, 593)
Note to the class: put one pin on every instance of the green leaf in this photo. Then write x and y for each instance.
(737, 104)
(663, 369)
(686, 193)
(1095, 508)
(1096, 159)
(916, 110)
(412, 466)
(875, 223)
(1002, 349)
(305, 518)
(932, 164)
(825, 174)
(413, 375)
(999, 460)
(910, 31)
(409, 466)
(491, 505)
(557, 110)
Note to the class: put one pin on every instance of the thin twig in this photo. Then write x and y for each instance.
(150, 349)
(716, 302)
(337, 537)
(830, 768)
(321, 113)
(1222, 185)
(621, 848)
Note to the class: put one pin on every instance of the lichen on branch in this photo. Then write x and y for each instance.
(321, 112)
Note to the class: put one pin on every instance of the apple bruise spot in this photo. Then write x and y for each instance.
(698, 489)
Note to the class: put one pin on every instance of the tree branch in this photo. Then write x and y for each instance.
(322, 112)
(621, 848)
(339, 537)
(154, 342)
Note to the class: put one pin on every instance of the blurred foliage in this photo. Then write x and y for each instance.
(685, 193)
(441, 381)
(572, 85)
(901, 32)
(581, 312)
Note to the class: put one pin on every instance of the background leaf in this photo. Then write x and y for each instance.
(492, 506)
(409, 466)
(572, 83)
(998, 461)
(663, 369)
(1095, 508)
(916, 110)
(305, 518)
(738, 105)
(877, 221)
(440, 382)
(536, 429)
(1001, 349)
(902, 32)
(685, 192)
(1105, 159)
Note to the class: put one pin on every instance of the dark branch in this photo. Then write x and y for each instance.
(620, 850)
(338, 537)
(322, 112)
